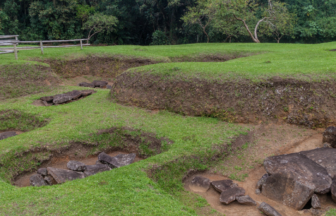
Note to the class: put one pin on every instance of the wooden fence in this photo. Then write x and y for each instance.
(16, 42)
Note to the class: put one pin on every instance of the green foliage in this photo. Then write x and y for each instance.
(159, 38)
(99, 23)
(84, 11)
(331, 212)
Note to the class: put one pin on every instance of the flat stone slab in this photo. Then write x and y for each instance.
(288, 190)
(61, 175)
(268, 210)
(94, 169)
(329, 136)
(301, 169)
(76, 166)
(229, 195)
(246, 200)
(8, 134)
(75, 94)
(199, 184)
(117, 161)
(61, 98)
(37, 180)
(326, 157)
(223, 185)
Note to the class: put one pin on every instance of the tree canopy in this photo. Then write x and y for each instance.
(180, 21)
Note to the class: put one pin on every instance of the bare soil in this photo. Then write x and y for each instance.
(61, 163)
(211, 57)
(277, 100)
(245, 168)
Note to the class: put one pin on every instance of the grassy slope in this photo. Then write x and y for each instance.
(305, 61)
(128, 189)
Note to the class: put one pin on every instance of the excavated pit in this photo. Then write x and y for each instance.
(60, 162)
(268, 141)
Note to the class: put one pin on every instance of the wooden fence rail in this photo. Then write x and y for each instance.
(16, 42)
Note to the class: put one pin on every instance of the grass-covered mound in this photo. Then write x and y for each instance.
(127, 190)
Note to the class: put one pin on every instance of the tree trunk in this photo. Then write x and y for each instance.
(206, 35)
(255, 36)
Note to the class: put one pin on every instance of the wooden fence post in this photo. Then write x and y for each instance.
(15, 52)
(81, 43)
(41, 45)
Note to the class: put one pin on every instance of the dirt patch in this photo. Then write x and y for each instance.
(86, 78)
(60, 162)
(21, 80)
(211, 57)
(333, 50)
(269, 140)
(278, 100)
(105, 67)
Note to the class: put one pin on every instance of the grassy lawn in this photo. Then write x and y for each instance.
(129, 190)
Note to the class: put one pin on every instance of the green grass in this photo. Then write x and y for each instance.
(128, 190)
(304, 61)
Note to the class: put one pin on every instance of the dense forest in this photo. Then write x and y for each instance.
(170, 21)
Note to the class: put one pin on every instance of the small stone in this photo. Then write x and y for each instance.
(200, 184)
(87, 92)
(85, 84)
(61, 98)
(47, 99)
(50, 180)
(223, 185)
(326, 145)
(268, 210)
(257, 191)
(94, 169)
(230, 195)
(42, 171)
(329, 136)
(100, 84)
(117, 161)
(315, 202)
(333, 189)
(37, 180)
(262, 180)
(8, 134)
(76, 166)
(246, 200)
(61, 175)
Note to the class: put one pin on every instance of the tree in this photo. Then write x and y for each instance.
(202, 14)
(281, 23)
(99, 23)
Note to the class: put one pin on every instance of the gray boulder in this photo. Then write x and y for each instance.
(268, 210)
(94, 169)
(61, 175)
(326, 157)
(50, 180)
(262, 180)
(85, 84)
(223, 185)
(315, 202)
(231, 194)
(42, 171)
(329, 136)
(200, 184)
(117, 161)
(37, 180)
(287, 189)
(87, 92)
(246, 200)
(99, 84)
(301, 168)
(76, 166)
(8, 134)
(61, 98)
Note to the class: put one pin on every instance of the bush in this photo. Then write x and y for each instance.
(159, 38)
